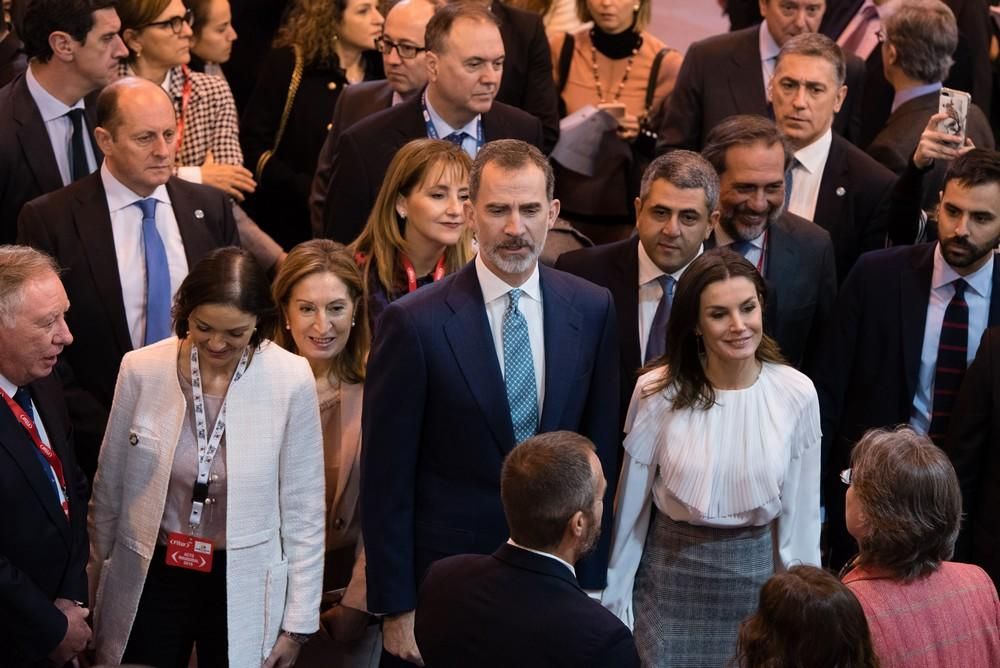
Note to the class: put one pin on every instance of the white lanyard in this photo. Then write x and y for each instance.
(207, 446)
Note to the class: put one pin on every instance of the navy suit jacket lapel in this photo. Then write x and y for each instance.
(562, 326)
(93, 229)
(779, 269)
(994, 317)
(623, 281)
(15, 439)
(34, 139)
(914, 296)
(468, 333)
(829, 205)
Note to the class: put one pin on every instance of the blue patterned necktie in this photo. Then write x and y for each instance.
(519, 371)
(23, 399)
(741, 247)
(157, 276)
(656, 344)
(456, 138)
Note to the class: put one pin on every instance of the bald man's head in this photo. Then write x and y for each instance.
(404, 27)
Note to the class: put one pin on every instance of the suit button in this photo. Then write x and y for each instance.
(332, 85)
(329, 126)
(338, 524)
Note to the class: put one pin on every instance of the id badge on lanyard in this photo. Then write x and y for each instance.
(187, 550)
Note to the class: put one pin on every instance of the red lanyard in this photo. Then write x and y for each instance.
(50, 456)
(411, 273)
(185, 99)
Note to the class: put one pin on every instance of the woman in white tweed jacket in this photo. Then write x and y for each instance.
(262, 595)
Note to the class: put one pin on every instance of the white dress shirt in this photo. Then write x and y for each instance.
(470, 142)
(870, 41)
(651, 293)
(769, 50)
(496, 299)
(10, 388)
(510, 541)
(126, 226)
(977, 296)
(59, 127)
(807, 175)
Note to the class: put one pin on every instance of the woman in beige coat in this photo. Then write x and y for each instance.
(260, 513)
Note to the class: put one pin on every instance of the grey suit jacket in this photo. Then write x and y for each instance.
(356, 102)
(721, 77)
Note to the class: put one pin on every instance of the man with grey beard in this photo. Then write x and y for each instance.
(463, 370)
(794, 255)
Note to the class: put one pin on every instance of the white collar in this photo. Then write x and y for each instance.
(510, 541)
(120, 196)
(7, 386)
(769, 49)
(813, 157)
(49, 106)
(494, 287)
(443, 129)
(944, 273)
(648, 271)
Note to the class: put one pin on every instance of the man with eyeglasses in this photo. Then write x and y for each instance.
(46, 123)
(728, 74)
(465, 60)
(405, 64)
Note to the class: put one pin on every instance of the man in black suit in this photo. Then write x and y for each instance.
(795, 256)
(43, 540)
(45, 139)
(464, 65)
(833, 183)
(522, 605)
(123, 264)
(463, 370)
(403, 30)
(854, 25)
(972, 435)
(677, 207)
(900, 312)
(729, 74)
(920, 38)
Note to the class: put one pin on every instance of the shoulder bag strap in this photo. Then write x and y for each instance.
(293, 89)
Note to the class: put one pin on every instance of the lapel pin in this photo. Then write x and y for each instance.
(841, 191)
(133, 439)
(199, 214)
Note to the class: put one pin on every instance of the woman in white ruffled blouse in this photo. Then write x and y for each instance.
(723, 450)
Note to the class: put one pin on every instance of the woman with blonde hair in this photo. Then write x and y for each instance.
(322, 318)
(416, 234)
(324, 46)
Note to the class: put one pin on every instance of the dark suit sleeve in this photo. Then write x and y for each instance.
(850, 127)
(620, 652)
(681, 127)
(972, 71)
(877, 207)
(970, 433)
(904, 221)
(391, 425)
(347, 200)
(230, 232)
(837, 361)
(826, 296)
(541, 99)
(27, 613)
(324, 168)
(600, 425)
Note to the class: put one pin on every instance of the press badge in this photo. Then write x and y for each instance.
(189, 552)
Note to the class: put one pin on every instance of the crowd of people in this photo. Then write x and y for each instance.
(546, 343)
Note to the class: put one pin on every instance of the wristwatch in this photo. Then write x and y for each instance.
(297, 638)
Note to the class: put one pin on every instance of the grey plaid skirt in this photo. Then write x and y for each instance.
(693, 588)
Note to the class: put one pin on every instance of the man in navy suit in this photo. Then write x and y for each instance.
(900, 314)
(522, 605)
(43, 529)
(463, 370)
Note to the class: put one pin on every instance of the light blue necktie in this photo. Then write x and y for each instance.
(519, 371)
(656, 344)
(157, 276)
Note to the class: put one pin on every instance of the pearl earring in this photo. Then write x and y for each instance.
(352, 322)
(288, 325)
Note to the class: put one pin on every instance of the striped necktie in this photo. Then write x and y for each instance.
(951, 361)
